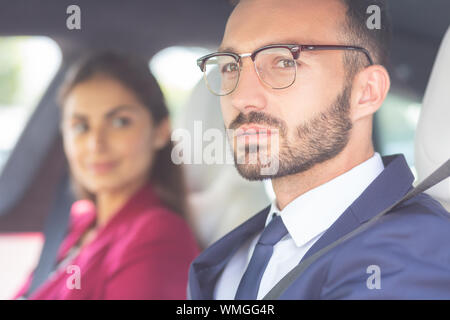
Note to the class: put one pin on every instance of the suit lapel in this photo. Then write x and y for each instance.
(391, 185)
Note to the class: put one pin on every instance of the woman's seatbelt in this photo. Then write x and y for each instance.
(437, 176)
(54, 233)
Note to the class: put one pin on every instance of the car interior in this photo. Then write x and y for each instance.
(35, 194)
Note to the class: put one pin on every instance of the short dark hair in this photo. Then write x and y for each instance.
(356, 32)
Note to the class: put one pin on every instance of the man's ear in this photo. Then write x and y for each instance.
(162, 133)
(370, 88)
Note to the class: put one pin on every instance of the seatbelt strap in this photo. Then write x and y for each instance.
(54, 233)
(437, 176)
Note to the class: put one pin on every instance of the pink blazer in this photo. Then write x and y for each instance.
(143, 252)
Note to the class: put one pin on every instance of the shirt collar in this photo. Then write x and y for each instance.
(309, 215)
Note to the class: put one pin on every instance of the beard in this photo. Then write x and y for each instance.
(316, 141)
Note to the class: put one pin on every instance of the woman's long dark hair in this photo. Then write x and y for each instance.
(133, 72)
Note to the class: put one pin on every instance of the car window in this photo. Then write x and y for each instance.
(396, 123)
(27, 65)
(177, 73)
(20, 253)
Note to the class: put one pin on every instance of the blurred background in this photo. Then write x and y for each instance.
(36, 49)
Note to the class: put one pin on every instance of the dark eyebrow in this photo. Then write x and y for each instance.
(285, 41)
(79, 117)
(226, 49)
(109, 114)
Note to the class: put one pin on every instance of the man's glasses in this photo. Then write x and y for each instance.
(275, 65)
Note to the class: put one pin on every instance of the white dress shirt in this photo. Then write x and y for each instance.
(306, 219)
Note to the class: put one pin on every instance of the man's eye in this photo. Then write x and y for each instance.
(230, 67)
(285, 63)
(80, 128)
(121, 122)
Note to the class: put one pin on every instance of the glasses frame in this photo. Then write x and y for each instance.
(295, 50)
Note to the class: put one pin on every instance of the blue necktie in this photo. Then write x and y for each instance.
(249, 285)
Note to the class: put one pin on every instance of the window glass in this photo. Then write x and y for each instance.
(177, 73)
(27, 65)
(396, 125)
(20, 254)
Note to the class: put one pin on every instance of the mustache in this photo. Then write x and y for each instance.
(258, 118)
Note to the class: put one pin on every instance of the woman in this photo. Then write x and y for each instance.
(127, 238)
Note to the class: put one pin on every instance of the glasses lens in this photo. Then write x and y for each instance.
(221, 74)
(276, 67)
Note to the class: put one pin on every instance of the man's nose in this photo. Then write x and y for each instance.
(250, 92)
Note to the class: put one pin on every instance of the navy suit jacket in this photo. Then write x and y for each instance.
(409, 246)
